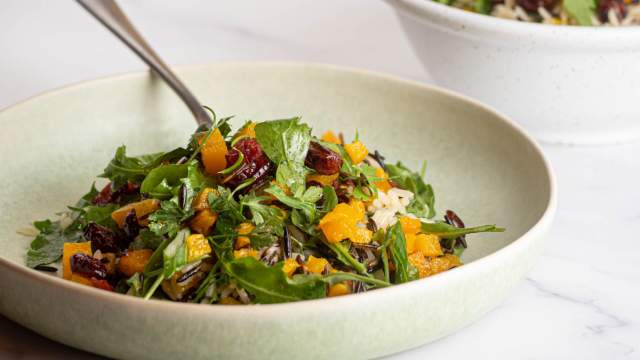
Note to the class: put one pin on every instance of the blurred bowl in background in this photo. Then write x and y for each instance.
(565, 84)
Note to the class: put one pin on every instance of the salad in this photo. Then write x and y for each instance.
(265, 214)
(557, 12)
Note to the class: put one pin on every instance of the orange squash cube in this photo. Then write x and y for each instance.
(339, 289)
(330, 137)
(134, 261)
(316, 265)
(410, 225)
(428, 245)
(290, 266)
(357, 151)
(203, 222)
(213, 152)
(201, 202)
(142, 208)
(324, 180)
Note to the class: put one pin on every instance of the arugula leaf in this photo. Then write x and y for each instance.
(286, 143)
(446, 231)
(340, 276)
(269, 284)
(423, 202)
(342, 254)
(581, 10)
(161, 180)
(404, 270)
(123, 168)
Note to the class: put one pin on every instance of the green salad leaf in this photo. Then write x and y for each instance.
(123, 168)
(269, 284)
(397, 244)
(286, 143)
(446, 231)
(47, 247)
(160, 181)
(581, 10)
(168, 219)
(174, 255)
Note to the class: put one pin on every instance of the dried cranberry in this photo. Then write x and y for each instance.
(322, 160)
(618, 7)
(102, 238)
(533, 5)
(104, 196)
(131, 226)
(88, 266)
(256, 164)
(109, 196)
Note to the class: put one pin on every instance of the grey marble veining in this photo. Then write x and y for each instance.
(582, 299)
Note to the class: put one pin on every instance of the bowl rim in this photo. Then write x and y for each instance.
(454, 18)
(324, 304)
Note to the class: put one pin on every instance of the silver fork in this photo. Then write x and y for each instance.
(110, 15)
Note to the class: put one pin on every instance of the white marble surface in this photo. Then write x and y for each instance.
(581, 301)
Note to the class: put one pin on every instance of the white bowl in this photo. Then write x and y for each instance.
(564, 84)
(480, 164)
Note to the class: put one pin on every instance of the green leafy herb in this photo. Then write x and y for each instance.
(47, 247)
(308, 208)
(168, 219)
(269, 284)
(397, 244)
(447, 231)
(330, 199)
(161, 180)
(123, 168)
(286, 143)
(269, 220)
(342, 254)
(581, 10)
(174, 255)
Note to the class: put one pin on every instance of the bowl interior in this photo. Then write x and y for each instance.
(54, 145)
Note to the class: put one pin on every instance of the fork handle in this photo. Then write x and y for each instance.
(113, 18)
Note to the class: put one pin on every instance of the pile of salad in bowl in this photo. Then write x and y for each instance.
(266, 214)
(557, 12)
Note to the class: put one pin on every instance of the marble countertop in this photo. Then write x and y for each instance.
(582, 299)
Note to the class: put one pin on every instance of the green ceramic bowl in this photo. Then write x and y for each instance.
(480, 164)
